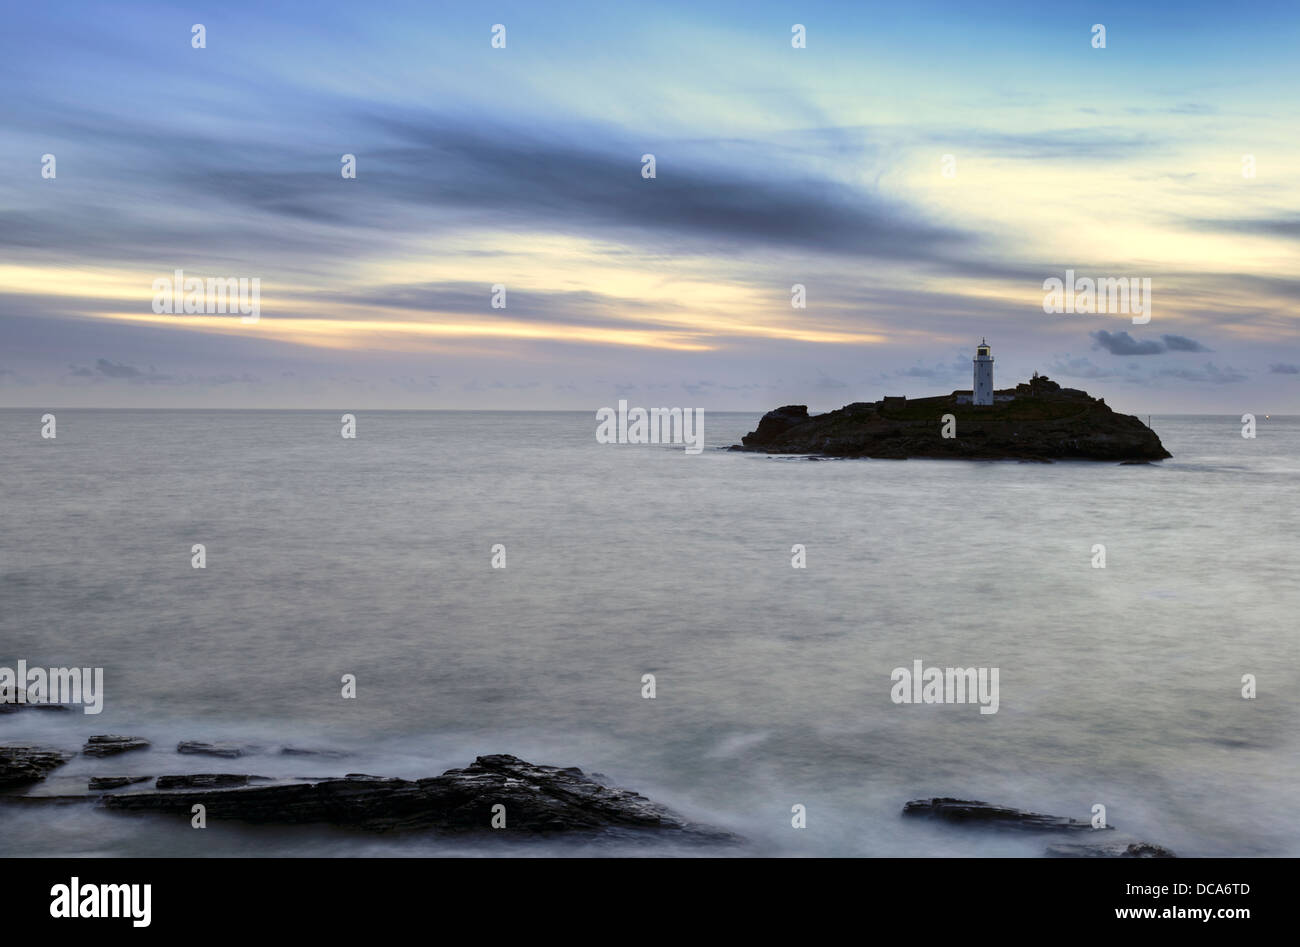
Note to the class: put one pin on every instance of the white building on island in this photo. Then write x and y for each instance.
(983, 391)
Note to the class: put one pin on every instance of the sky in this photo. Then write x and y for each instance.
(919, 168)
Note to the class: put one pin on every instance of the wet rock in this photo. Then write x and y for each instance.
(537, 800)
(228, 751)
(207, 781)
(1114, 850)
(969, 812)
(320, 754)
(23, 764)
(110, 744)
(105, 783)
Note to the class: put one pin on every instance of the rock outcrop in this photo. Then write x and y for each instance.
(967, 812)
(1040, 422)
(208, 781)
(105, 783)
(537, 800)
(972, 813)
(228, 751)
(1117, 850)
(110, 744)
(23, 764)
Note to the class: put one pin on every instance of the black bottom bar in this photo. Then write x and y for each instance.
(253, 897)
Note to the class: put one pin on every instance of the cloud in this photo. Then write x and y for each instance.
(1121, 343)
(106, 369)
(1284, 226)
(1180, 343)
(1183, 108)
(960, 367)
(1063, 144)
(1210, 374)
(114, 370)
(1079, 368)
(1282, 368)
(827, 383)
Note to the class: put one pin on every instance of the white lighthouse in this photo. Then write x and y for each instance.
(982, 393)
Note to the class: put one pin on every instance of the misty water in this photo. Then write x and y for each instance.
(372, 557)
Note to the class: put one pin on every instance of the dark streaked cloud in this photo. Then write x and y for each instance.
(1121, 343)
(510, 175)
(428, 173)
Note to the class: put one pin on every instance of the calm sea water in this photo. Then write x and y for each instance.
(371, 557)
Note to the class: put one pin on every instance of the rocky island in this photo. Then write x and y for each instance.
(1037, 421)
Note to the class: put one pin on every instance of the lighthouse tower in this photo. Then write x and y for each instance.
(982, 393)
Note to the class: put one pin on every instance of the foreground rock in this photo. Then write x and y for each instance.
(320, 754)
(969, 812)
(110, 744)
(537, 800)
(1043, 421)
(105, 783)
(1116, 850)
(228, 751)
(207, 781)
(23, 764)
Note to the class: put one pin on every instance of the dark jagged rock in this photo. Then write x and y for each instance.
(775, 423)
(207, 781)
(105, 783)
(10, 703)
(22, 764)
(1041, 421)
(1115, 850)
(228, 751)
(320, 754)
(968, 812)
(110, 744)
(537, 800)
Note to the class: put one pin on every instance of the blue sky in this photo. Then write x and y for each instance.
(521, 166)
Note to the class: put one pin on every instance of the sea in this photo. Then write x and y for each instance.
(1123, 685)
